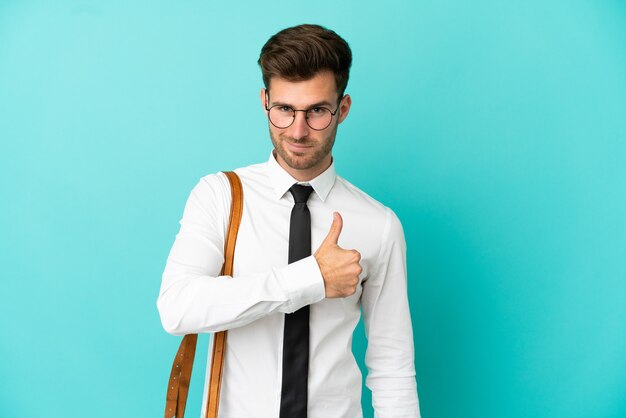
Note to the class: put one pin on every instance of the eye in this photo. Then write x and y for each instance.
(317, 110)
(284, 109)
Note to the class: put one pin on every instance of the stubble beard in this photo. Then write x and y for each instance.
(301, 162)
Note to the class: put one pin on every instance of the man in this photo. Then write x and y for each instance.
(275, 302)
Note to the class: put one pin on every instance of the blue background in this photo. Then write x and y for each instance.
(495, 129)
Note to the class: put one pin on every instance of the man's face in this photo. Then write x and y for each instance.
(302, 151)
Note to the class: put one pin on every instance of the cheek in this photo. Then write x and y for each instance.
(274, 135)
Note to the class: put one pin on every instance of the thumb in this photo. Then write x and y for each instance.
(335, 229)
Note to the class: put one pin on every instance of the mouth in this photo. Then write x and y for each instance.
(297, 147)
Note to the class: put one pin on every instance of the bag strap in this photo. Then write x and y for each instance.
(219, 338)
(178, 386)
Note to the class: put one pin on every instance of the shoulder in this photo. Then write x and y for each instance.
(374, 216)
(217, 183)
(213, 190)
(210, 199)
(359, 196)
(364, 201)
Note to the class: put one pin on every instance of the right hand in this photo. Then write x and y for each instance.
(340, 268)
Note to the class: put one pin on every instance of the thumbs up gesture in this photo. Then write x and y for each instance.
(340, 268)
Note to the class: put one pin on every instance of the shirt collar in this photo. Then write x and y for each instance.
(281, 181)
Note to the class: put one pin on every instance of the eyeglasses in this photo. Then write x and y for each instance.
(282, 116)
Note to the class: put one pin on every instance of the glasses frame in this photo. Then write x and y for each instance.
(306, 119)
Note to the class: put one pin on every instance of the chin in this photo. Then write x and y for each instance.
(299, 163)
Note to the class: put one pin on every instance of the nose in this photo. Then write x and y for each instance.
(299, 128)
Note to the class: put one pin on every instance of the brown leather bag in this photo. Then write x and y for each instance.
(178, 386)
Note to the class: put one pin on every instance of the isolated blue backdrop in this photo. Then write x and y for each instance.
(495, 129)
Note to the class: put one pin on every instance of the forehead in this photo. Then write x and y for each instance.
(318, 89)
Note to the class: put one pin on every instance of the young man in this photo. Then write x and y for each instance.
(290, 315)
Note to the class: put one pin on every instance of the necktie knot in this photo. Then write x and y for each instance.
(301, 193)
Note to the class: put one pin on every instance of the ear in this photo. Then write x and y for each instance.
(263, 96)
(344, 107)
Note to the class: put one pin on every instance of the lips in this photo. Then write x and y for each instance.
(297, 147)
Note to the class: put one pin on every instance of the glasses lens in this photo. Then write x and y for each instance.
(281, 116)
(318, 118)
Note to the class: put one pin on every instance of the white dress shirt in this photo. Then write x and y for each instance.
(251, 304)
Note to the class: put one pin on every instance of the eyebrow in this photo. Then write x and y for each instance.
(318, 104)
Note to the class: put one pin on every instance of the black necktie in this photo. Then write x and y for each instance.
(293, 403)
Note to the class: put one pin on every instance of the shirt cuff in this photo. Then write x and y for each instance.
(303, 283)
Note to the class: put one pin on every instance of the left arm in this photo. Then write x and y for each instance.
(390, 355)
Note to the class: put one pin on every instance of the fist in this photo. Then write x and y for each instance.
(340, 268)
